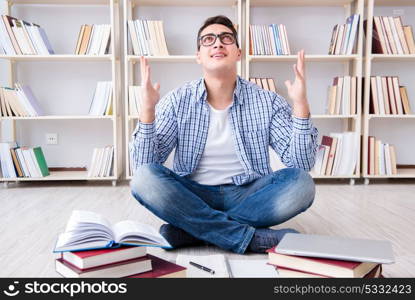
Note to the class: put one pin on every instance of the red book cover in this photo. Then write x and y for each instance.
(161, 268)
(89, 253)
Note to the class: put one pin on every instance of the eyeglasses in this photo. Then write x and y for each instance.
(226, 38)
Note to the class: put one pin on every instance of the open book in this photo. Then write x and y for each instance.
(88, 230)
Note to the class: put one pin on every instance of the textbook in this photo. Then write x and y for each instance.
(87, 230)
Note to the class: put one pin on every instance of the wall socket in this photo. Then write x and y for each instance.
(398, 12)
(51, 138)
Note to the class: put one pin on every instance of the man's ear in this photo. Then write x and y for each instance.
(239, 54)
(198, 57)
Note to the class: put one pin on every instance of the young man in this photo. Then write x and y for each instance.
(222, 189)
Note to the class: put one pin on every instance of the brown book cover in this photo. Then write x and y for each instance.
(405, 100)
(401, 34)
(271, 85)
(386, 99)
(378, 144)
(80, 35)
(371, 155)
(391, 95)
(409, 36)
(331, 99)
(264, 84)
(333, 38)
(16, 162)
(393, 159)
(85, 39)
(162, 269)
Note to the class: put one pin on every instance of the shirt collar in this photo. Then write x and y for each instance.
(201, 92)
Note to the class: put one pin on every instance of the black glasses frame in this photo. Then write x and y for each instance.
(220, 36)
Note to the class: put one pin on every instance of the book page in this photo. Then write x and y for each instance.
(80, 218)
(250, 268)
(137, 233)
(214, 262)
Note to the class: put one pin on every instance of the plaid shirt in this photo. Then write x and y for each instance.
(259, 119)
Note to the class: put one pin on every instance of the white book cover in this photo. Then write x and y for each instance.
(142, 39)
(381, 98)
(382, 167)
(397, 94)
(23, 162)
(338, 157)
(7, 161)
(37, 47)
(134, 46)
(388, 164)
(35, 163)
(353, 34)
(110, 162)
(319, 159)
(272, 38)
(30, 163)
(91, 40)
(91, 166)
(349, 158)
(39, 40)
(346, 95)
(5, 39)
(395, 35)
(103, 162)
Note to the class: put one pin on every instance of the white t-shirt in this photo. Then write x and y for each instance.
(219, 161)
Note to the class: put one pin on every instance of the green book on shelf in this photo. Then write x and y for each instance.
(41, 161)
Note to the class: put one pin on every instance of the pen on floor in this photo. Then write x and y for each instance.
(206, 269)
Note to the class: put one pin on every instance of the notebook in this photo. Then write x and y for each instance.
(225, 268)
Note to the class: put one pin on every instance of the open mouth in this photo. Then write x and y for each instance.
(218, 55)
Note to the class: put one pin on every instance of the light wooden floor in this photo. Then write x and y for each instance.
(32, 214)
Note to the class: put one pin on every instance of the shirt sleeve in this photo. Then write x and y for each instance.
(153, 142)
(293, 139)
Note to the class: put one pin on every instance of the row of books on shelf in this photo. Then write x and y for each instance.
(342, 96)
(381, 158)
(20, 37)
(265, 83)
(102, 101)
(22, 161)
(390, 36)
(102, 162)
(147, 37)
(388, 97)
(337, 154)
(93, 40)
(134, 99)
(268, 40)
(294, 266)
(19, 101)
(93, 247)
(344, 36)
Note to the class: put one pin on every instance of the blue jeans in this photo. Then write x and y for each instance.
(224, 215)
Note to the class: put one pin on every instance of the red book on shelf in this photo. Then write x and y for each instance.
(162, 269)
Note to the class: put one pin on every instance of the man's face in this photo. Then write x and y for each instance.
(219, 56)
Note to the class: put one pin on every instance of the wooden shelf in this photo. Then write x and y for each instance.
(61, 175)
(57, 57)
(334, 116)
(391, 116)
(310, 57)
(61, 2)
(402, 173)
(60, 118)
(169, 58)
(300, 2)
(184, 2)
(315, 176)
(392, 57)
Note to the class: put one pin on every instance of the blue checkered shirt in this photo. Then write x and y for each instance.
(259, 119)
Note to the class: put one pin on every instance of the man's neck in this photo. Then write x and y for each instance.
(220, 90)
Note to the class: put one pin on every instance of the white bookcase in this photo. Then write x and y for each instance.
(79, 122)
(309, 25)
(389, 128)
(181, 21)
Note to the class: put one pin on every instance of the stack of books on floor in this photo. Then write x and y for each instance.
(134, 99)
(22, 161)
(18, 102)
(147, 37)
(390, 36)
(265, 83)
(337, 154)
(20, 37)
(388, 97)
(93, 40)
(342, 96)
(344, 36)
(91, 246)
(268, 40)
(102, 162)
(311, 267)
(381, 158)
(101, 104)
(133, 262)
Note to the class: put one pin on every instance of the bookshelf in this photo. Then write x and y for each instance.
(181, 43)
(315, 40)
(384, 126)
(18, 65)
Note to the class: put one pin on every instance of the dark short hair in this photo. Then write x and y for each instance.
(217, 20)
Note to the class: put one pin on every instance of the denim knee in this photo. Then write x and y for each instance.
(144, 180)
(305, 183)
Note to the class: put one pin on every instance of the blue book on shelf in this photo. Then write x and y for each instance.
(277, 39)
